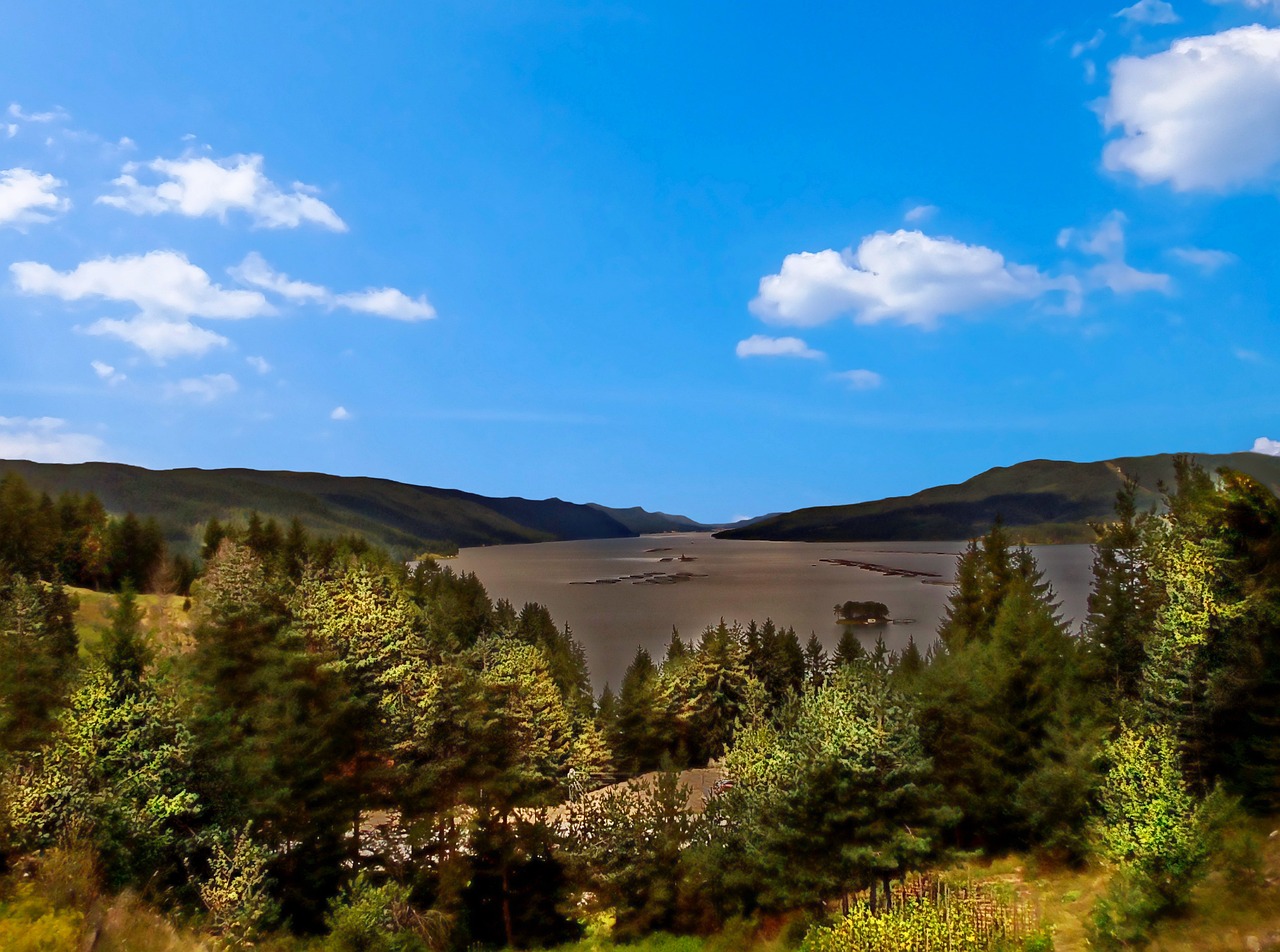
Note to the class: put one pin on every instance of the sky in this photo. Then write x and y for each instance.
(718, 259)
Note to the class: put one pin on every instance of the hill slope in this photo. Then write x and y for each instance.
(1043, 500)
(388, 513)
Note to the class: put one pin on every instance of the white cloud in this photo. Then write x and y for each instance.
(106, 372)
(758, 345)
(28, 197)
(158, 338)
(199, 186)
(340, 413)
(1272, 5)
(1150, 11)
(861, 379)
(255, 271)
(205, 389)
(1266, 446)
(259, 364)
(387, 302)
(1207, 260)
(10, 130)
(920, 213)
(45, 440)
(1204, 114)
(56, 114)
(159, 283)
(906, 276)
(1107, 241)
(1248, 356)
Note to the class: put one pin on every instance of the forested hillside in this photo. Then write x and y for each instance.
(341, 754)
(410, 519)
(1040, 500)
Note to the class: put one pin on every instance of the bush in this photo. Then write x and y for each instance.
(369, 918)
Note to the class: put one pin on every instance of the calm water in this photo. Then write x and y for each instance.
(629, 603)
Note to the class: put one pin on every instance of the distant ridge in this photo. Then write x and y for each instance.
(402, 517)
(1041, 500)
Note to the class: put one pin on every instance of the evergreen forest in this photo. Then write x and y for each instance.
(298, 742)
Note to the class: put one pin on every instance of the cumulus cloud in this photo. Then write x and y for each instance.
(45, 440)
(106, 372)
(259, 364)
(199, 186)
(1266, 446)
(906, 276)
(166, 288)
(758, 345)
(920, 213)
(1107, 241)
(1153, 12)
(27, 197)
(205, 389)
(383, 302)
(861, 379)
(158, 338)
(1204, 114)
(157, 283)
(1207, 260)
(340, 413)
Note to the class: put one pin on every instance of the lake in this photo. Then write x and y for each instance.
(618, 594)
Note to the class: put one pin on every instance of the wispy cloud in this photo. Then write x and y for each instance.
(861, 379)
(758, 345)
(204, 389)
(106, 372)
(1107, 241)
(340, 413)
(1207, 260)
(382, 302)
(1151, 12)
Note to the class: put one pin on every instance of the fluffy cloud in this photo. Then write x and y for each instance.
(861, 379)
(158, 338)
(907, 276)
(166, 288)
(45, 440)
(1150, 11)
(758, 345)
(1207, 260)
(1107, 242)
(384, 302)
(205, 389)
(1204, 114)
(157, 283)
(28, 197)
(199, 186)
(340, 413)
(1266, 446)
(106, 372)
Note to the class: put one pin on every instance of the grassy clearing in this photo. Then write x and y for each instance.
(164, 619)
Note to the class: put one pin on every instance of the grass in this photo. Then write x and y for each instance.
(164, 619)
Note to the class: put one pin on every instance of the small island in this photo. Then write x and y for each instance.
(862, 613)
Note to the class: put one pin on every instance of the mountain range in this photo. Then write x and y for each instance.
(1039, 500)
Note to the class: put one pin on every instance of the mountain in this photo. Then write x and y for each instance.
(402, 517)
(1041, 500)
(641, 521)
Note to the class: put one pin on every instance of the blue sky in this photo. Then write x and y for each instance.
(718, 259)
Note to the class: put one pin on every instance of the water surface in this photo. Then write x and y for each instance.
(618, 594)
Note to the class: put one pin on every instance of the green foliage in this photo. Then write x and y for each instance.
(835, 797)
(969, 924)
(29, 923)
(236, 890)
(366, 917)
